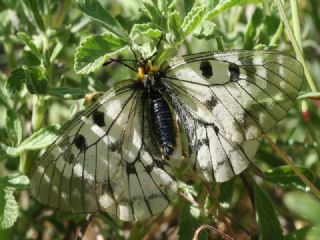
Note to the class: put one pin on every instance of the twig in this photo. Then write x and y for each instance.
(80, 231)
(303, 178)
(208, 227)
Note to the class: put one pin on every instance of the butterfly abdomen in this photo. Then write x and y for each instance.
(162, 125)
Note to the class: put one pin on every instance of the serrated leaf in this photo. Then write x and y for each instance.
(304, 205)
(145, 30)
(152, 11)
(223, 5)
(15, 81)
(38, 140)
(192, 20)
(67, 93)
(205, 30)
(17, 181)
(96, 12)
(36, 81)
(14, 127)
(25, 38)
(95, 50)
(175, 35)
(8, 208)
(286, 177)
(270, 227)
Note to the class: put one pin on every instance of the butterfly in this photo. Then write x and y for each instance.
(209, 109)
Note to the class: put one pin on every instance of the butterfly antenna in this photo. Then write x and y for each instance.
(111, 60)
(156, 52)
(134, 53)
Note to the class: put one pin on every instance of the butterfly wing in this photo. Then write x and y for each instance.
(226, 101)
(103, 162)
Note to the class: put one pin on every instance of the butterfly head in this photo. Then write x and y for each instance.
(147, 72)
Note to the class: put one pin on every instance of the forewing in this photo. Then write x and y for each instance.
(101, 163)
(244, 93)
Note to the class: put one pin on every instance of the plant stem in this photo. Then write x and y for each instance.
(303, 178)
(296, 45)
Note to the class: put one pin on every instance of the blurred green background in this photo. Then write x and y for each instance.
(39, 90)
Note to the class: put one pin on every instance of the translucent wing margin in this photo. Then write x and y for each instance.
(103, 162)
(244, 93)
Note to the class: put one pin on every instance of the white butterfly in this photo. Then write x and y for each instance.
(117, 156)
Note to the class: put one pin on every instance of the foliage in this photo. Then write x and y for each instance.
(54, 51)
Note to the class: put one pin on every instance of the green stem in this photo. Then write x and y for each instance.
(63, 8)
(38, 111)
(9, 50)
(303, 178)
(296, 45)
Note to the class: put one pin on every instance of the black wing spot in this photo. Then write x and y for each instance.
(216, 129)
(206, 69)
(234, 72)
(210, 104)
(98, 118)
(130, 168)
(80, 142)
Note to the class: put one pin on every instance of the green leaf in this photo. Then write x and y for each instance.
(153, 12)
(226, 193)
(304, 94)
(286, 177)
(14, 127)
(17, 181)
(190, 220)
(175, 35)
(36, 81)
(304, 205)
(32, 10)
(15, 81)
(206, 30)
(25, 38)
(140, 31)
(38, 140)
(266, 215)
(8, 208)
(192, 20)
(96, 12)
(95, 50)
(67, 93)
(251, 29)
(223, 5)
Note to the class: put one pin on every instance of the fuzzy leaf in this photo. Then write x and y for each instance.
(145, 30)
(36, 81)
(40, 139)
(15, 81)
(25, 38)
(14, 127)
(8, 208)
(95, 50)
(97, 13)
(192, 20)
(206, 30)
(175, 35)
(223, 6)
(17, 181)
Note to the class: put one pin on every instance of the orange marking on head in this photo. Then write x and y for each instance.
(140, 72)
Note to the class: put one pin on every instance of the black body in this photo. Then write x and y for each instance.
(162, 123)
